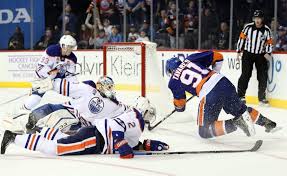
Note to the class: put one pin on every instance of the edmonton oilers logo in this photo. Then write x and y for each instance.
(96, 105)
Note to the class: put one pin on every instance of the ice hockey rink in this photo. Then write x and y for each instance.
(180, 132)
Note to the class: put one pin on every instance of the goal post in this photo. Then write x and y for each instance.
(127, 47)
(136, 71)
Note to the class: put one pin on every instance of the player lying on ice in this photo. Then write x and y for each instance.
(106, 136)
(91, 102)
(216, 92)
(58, 64)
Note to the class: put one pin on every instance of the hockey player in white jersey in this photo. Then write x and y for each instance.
(57, 65)
(120, 134)
(91, 102)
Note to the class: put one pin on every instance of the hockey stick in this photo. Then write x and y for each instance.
(255, 147)
(9, 101)
(167, 116)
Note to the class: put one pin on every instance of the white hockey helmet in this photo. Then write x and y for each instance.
(68, 44)
(106, 86)
(144, 106)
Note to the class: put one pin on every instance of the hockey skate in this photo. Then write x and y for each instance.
(244, 122)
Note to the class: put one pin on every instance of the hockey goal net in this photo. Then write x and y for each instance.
(136, 71)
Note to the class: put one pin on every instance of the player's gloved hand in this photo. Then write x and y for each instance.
(124, 149)
(42, 85)
(179, 108)
(62, 68)
(153, 145)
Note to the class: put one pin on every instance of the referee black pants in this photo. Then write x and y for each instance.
(248, 60)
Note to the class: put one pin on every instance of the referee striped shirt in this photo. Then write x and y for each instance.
(255, 40)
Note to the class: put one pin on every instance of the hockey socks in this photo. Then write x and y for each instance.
(36, 142)
(52, 133)
(217, 128)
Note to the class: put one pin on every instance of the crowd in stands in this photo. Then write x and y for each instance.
(95, 22)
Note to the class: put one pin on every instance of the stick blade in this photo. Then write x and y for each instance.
(257, 146)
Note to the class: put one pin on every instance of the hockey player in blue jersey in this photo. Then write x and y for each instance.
(57, 65)
(199, 74)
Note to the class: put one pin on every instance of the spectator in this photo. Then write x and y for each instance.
(146, 7)
(106, 8)
(45, 41)
(134, 11)
(146, 27)
(143, 37)
(98, 42)
(172, 11)
(172, 34)
(85, 35)
(56, 33)
(223, 37)
(209, 43)
(115, 35)
(281, 44)
(209, 24)
(163, 21)
(16, 41)
(70, 20)
(191, 16)
(133, 34)
(106, 26)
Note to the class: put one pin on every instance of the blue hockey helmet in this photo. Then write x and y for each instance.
(171, 65)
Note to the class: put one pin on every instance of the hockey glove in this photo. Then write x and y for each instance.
(153, 145)
(43, 85)
(179, 108)
(126, 152)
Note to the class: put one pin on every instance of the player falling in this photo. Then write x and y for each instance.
(58, 64)
(120, 134)
(92, 101)
(216, 92)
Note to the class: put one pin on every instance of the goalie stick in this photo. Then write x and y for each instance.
(14, 99)
(255, 148)
(167, 116)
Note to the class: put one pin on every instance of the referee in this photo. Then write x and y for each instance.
(255, 41)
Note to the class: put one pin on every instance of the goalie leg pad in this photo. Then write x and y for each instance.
(40, 113)
(61, 119)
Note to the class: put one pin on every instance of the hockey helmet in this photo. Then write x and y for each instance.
(68, 44)
(171, 65)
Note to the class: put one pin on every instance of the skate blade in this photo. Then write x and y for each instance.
(276, 129)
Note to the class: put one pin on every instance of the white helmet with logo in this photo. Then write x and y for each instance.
(68, 44)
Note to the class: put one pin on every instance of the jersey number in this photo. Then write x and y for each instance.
(189, 77)
(131, 124)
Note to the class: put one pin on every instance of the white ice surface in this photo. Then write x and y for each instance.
(180, 132)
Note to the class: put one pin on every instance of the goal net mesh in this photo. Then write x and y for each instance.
(137, 71)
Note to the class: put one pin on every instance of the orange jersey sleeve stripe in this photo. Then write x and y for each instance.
(199, 86)
(254, 115)
(65, 87)
(179, 102)
(219, 128)
(242, 35)
(201, 112)
(217, 57)
(63, 149)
